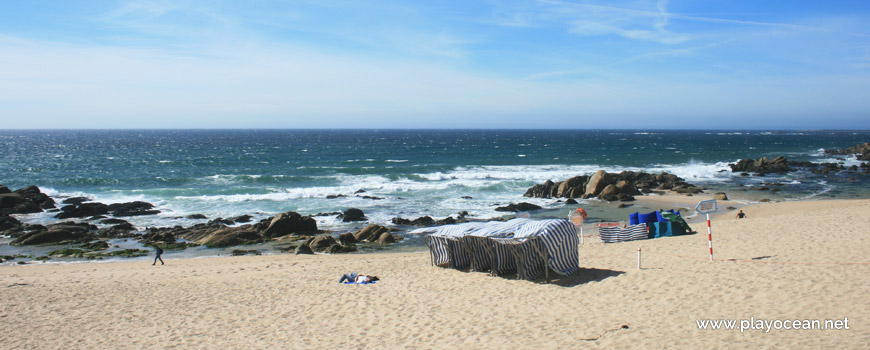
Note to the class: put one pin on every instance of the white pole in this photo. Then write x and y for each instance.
(638, 258)
(710, 237)
(581, 234)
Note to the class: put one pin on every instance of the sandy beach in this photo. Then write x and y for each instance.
(784, 262)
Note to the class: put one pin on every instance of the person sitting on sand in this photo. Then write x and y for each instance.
(358, 279)
(741, 214)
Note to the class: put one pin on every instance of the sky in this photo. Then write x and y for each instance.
(550, 64)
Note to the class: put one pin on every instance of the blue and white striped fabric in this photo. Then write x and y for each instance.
(475, 243)
(619, 234)
(444, 246)
(559, 240)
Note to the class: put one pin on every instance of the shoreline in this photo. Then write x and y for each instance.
(773, 265)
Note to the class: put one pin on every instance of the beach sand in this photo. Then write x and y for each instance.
(811, 264)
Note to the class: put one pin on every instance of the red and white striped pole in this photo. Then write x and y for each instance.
(710, 237)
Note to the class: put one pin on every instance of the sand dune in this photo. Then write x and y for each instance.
(810, 263)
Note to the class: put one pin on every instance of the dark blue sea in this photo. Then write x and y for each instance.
(226, 173)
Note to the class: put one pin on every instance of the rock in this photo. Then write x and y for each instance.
(861, 150)
(386, 238)
(467, 197)
(335, 196)
(572, 188)
(338, 249)
(56, 234)
(289, 223)
(241, 252)
(9, 223)
(761, 165)
(241, 219)
(35, 195)
(320, 243)
(118, 231)
(597, 183)
(231, 236)
(571, 201)
(518, 207)
(196, 217)
(347, 238)
(764, 200)
(352, 214)
(623, 205)
(76, 200)
(721, 196)
(82, 210)
(15, 203)
(4, 189)
(626, 187)
(137, 208)
(370, 233)
(303, 249)
(545, 190)
(422, 221)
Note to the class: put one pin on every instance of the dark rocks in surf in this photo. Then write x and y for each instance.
(24, 201)
(518, 207)
(862, 151)
(61, 233)
(91, 209)
(761, 165)
(352, 214)
(289, 223)
(611, 187)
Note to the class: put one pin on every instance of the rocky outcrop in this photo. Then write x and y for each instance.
(518, 207)
(611, 187)
(60, 233)
(353, 214)
(137, 208)
(289, 223)
(83, 210)
(862, 151)
(761, 165)
(23, 201)
(92, 209)
(426, 221)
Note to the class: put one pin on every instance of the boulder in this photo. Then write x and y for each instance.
(422, 221)
(231, 236)
(352, 214)
(196, 216)
(56, 234)
(76, 200)
(761, 165)
(82, 210)
(370, 233)
(518, 207)
(338, 249)
(347, 238)
(386, 238)
(572, 188)
(303, 249)
(320, 243)
(861, 150)
(545, 190)
(35, 195)
(720, 196)
(15, 203)
(597, 183)
(289, 223)
(137, 208)
(9, 223)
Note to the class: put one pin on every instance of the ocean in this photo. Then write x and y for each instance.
(404, 173)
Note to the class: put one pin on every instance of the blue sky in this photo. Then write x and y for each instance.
(435, 64)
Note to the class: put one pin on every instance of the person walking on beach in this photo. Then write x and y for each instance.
(741, 214)
(158, 251)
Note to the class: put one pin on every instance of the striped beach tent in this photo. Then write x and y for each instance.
(444, 245)
(530, 248)
(536, 248)
(619, 234)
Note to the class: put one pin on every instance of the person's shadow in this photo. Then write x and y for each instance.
(583, 276)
